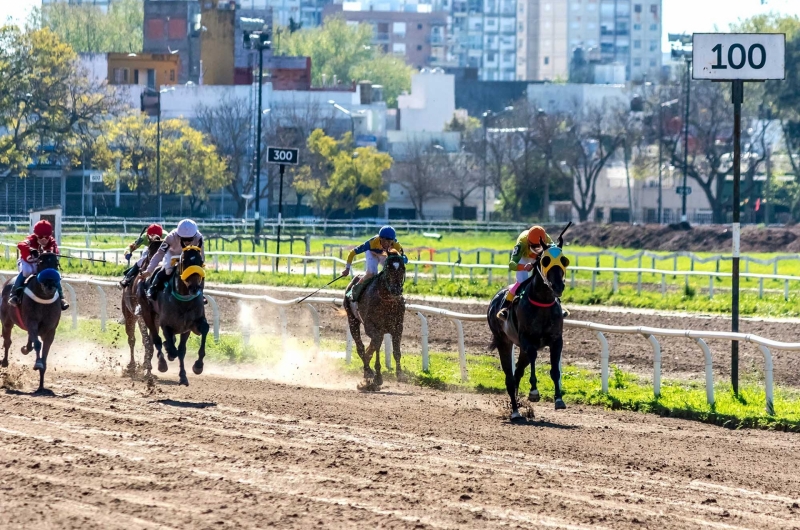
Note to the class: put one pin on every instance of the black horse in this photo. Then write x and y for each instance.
(178, 310)
(38, 313)
(129, 304)
(382, 308)
(535, 320)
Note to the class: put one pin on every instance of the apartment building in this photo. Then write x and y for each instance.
(542, 48)
(102, 4)
(499, 53)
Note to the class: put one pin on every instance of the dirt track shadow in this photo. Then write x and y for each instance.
(542, 423)
(186, 404)
(45, 393)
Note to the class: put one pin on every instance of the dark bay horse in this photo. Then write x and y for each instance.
(178, 310)
(535, 320)
(39, 314)
(129, 304)
(382, 309)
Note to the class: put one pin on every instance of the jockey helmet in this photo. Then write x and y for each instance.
(387, 232)
(155, 230)
(536, 235)
(187, 229)
(43, 229)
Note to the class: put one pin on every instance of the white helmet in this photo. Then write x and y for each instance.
(187, 229)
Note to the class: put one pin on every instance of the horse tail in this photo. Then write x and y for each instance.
(493, 343)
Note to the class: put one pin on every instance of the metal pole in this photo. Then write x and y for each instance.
(158, 156)
(280, 210)
(738, 97)
(258, 145)
(686, 138)
(660, 163)
(485, 146)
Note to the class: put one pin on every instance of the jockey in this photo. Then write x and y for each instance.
(30, 248)
(186, 235)
(376, 249)
(523, 259)
(154, 233)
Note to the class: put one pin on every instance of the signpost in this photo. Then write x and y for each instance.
(683, 190)
(285, 156)
(738, 57)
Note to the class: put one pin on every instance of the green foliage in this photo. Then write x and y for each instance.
(337, 49)
(343, 179)
(87, 29)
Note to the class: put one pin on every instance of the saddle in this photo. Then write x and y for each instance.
(355, 292)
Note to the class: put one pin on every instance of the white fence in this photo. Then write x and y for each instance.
(423, 312)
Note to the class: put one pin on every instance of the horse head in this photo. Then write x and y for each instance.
(394, 271)
(191, 269)
(153, 246)
(553, 268)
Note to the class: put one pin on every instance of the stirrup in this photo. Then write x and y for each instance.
(14, 300)
(503, 314)
(64, 305)
(354, 307)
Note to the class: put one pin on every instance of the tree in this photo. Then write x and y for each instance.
(343, 180)
(462, 177)
(45, 98)
(345, 53)
(421, 173)
(88, 29)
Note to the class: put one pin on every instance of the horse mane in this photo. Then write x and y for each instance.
(393, 252)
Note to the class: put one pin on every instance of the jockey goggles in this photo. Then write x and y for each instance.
(42, 241)
(553, 257)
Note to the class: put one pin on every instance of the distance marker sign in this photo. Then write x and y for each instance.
(283, 155)
(738, 56)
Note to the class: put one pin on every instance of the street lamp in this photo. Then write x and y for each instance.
(158, 140)
(486, 115)
(349, 115)
(257, 37)
(686, 137)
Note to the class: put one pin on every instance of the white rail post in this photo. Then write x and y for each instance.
(710, 286)
(709, 362)
(258, 265)
(73, 302)
(315, 325)
(603, 361)
(348, 348)
(319, 272)
(387, 351)
(615, 286)
(491, 280)
(216, 263)
(768, 379)
(760, 288)
(571, 280)
(244, 261)
(656, 365)
(663, 285)
(786, 290)
(215, 316)
(594, 280)
(423, 322)
(416, 273)
(462, 355)
(639, 283)
(103, 309)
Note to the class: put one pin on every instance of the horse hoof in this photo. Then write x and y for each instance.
(197, 368)
(42, 391)
(25, 350)
(378, 380)
(162, 365)
(560, 404)
(534, 396)
(367, 386)
(184, 381)
(171, 357)
(38, 366)
(516, 417)
(4, 363)
(402, 377)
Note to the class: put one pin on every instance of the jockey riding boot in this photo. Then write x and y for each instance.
(156, 284)
(355, 294)
(64, 303)
(130, 274)
(16, 291)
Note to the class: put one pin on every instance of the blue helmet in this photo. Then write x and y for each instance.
(48, 275)
(387, 232)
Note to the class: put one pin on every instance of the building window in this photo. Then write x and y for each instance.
(654, 9)
(151, 78)
(177, 28)
(652, 63)
(637, 8)
(637, 44)
(637, 27)
(172, 75)
(637, 62)
(399, 29)
(653, 45)
(120, 76)
(155, 29)
(399, 48)
(653, 27)
(419, 47)
(136, 77)
(490, 57)
(419, 26)
(547, 60)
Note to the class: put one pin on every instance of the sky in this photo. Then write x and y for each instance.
(680, 16)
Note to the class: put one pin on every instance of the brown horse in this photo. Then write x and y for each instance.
(129, 304)
(39, 314)
(382, 308)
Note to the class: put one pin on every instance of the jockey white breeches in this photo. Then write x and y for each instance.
(524, 275)
(373, 260)
(26, 268)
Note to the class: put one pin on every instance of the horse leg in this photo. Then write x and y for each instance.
(519, 373)
(375, 344)
(201, 329)
(534, 395)
(169, 343)
(556, 345)
(44, 346)
(370, 382)
(355, 332)
(396, 336)
(151, 338)
(147, 365)
(130, 330)
(181, 355)
(7, 327)
(504, 349)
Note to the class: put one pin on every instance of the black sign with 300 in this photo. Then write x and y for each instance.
(283, 155)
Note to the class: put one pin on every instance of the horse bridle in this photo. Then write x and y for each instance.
(386, 282)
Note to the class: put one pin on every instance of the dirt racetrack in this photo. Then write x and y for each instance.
(680, 357)
(227, 452)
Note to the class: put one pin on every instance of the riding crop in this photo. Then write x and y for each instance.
(321, 288)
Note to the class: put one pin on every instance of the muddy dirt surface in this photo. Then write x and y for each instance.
(680, 357)
(705, 238)
(106, 452)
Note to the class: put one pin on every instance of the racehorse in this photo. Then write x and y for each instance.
(178, 310)
(129, 303)
(382, 308)
(535, 320)
(38, 314)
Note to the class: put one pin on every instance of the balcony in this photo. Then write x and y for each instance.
(382, 38)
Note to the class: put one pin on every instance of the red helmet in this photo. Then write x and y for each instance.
(43, 229)
(155, 230)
